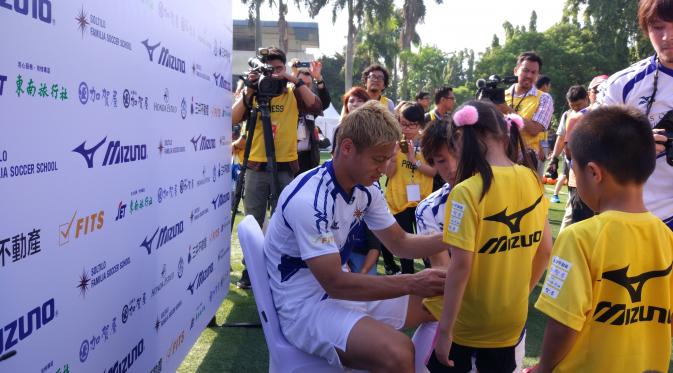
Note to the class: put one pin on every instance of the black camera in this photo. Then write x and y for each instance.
(493, 88)
(666, 123)
(266, 84)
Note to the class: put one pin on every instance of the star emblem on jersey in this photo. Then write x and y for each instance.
(620, 277)
(513, 221)
(357, 214)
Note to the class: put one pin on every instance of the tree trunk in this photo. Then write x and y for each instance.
(258, 26)
(282, 27)
(350, 41)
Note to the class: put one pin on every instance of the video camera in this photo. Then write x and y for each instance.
(666, 123)
(493, 88)
(266, 84)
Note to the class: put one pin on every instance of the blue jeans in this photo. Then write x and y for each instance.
(356, 261)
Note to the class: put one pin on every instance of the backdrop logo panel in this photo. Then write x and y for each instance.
(115, 161)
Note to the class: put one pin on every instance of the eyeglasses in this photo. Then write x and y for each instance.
(407, 124)
(375, 77)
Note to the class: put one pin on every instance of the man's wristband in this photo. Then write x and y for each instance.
(298, 84)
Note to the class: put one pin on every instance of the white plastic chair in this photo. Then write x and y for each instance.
(284, 357)
(422, 340)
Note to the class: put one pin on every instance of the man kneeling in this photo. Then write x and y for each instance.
(349, 319)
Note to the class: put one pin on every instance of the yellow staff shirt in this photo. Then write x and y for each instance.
(284, 118)
(406, 174)
(527, 106)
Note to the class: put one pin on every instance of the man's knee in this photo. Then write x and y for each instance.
(398, 353)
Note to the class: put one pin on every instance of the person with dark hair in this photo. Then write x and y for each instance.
(445, 101)
(430, 211)
(375, 79)
(500, 240)
(578, 101)
(409, 179)
(648, 86)
(308, 149)
(610, 278)
(543, 83)
(423, 99)
(594, 88)
(533, 105)
(284, 117)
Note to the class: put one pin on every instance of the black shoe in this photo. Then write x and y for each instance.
(393, 270)
(244, 282)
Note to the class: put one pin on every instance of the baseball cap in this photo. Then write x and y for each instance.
(597, 80)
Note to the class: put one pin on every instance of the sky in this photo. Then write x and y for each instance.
(450, 26)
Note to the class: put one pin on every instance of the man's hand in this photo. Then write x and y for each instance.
(504, 109)
(428, 282)
(659, 140)
(443, 348)
(287, 76)
(316, 70)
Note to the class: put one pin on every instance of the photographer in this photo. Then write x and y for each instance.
(285, 110)
(533, 105)
(648, 86)
(307, 134)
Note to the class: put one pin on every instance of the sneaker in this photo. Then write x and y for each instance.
(555, 199)
(244, 282)
(393, 271)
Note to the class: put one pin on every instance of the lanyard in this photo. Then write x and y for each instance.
(650, 102)
(511, 105)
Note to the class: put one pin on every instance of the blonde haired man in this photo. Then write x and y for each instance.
(347, 318)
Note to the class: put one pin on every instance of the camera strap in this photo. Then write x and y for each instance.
(511, 105)
(654, 88)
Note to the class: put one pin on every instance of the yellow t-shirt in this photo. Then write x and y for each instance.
(610, 280)
(526, 108)
(284, 118)
(406, 174)
(503, 231)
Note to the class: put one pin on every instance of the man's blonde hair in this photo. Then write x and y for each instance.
(370, 125)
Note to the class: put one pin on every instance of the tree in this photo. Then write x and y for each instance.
(413, 12)
(356, 10)
(426, 68)
(532, 25)
(254, 19)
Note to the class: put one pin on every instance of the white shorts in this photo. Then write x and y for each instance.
(327, 325)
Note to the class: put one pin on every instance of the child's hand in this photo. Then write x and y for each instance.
(443, 348)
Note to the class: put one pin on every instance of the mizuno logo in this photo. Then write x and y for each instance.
(88, 153)
(150, 48)
(147, 244)
(513, 221)
(620, 277)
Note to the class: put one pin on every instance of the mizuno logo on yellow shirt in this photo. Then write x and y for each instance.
(620, 277)
(623, 314)
(513, 222)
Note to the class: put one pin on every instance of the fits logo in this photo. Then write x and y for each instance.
(22, 328)
(165, 57)
(166, 234)
(202, 143)
(513, 222)
(115, 153)
(623, 314)
(84, 226)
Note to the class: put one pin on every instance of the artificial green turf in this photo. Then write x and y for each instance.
(237, 349)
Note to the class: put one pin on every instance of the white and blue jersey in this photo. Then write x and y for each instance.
(633, 86)
(430, 211)
(315, 217)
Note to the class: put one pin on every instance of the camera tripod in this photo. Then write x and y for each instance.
(262, 107)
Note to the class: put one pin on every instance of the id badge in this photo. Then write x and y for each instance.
(413, 193)
(301, 130)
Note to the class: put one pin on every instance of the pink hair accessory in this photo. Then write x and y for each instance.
(516, 119)
(466, 116)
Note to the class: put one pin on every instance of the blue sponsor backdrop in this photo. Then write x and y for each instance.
(115, 146)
